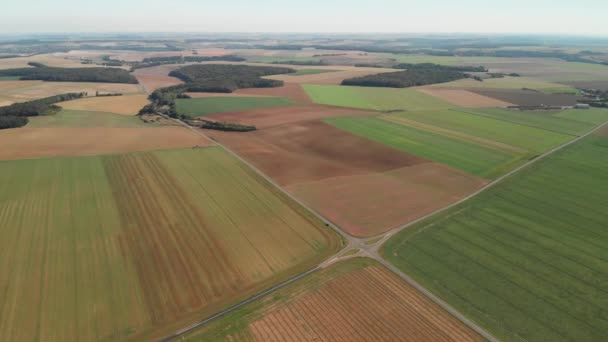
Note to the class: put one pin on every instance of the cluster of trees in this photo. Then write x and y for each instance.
(226, 126)
(15, 115)
(193, 59)
(44, 73)
(404, 79)
(426, 66)
(306, 63)
(217, 78)
(36, 64)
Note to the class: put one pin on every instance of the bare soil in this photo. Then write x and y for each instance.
(464, 98)
(270, 117)
(367, 205)
(528, 98)
(27, 143)
(126, 105)
(156, 77)
(293, 91)
(310, 151)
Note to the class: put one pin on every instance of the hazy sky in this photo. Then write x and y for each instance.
(490, 16)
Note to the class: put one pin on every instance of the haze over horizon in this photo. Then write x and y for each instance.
(584, 17)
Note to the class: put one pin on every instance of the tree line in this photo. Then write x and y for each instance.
(52, 74)
(16, 114)
(404, 79)
(192, 59)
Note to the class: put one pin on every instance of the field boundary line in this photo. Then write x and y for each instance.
(237, 306)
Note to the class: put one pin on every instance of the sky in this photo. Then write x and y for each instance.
(581, 17)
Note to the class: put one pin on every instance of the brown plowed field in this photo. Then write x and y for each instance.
(270, 117)
(602, 131)
(464, 98)
(367, 205)
(26, 143)
(156, 77)
(528, 98)
(138, 56)
(293, 91)
(369, 303)
(312, 151)
(127, 105)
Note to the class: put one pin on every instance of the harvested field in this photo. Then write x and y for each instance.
(528, 98)
(292, 91)
(600, 85)
(74, 118)
(355, 300)
(147, 243)
(270, 117)
(156, 77)
(139, 56)
(19, 91)
(367, 205)
(127, 105)
(464, 98)
(602, 131)
(26, 143)
(509, 83)
(52, 60)
(312, 151)
(526, 259)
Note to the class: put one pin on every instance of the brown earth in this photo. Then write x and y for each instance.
(27, 143)
(52, 60)
(464, 98)
(126, 105)
(528, 98)
(603, 132)
(329, 78)
(206, 95)
(367, 205)
(270, 117)
(600, 85)
(292, 91)
(156, 77)
(312, 151)
(139, 56)
(370, 304)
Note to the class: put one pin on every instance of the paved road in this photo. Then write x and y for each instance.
(367, 249)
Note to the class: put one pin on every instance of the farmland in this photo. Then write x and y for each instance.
(303, 72)
(127, 105)
(525, 259)
(380, 99)
(510, 83)
(81, 119)
(476, 159)
(19, 91)
(186, 251)
(464, 98)
(355, 300)
(212, 105)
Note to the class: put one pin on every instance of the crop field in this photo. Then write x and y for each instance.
(355, 300)
(292, 91)
(271, 117)
(484, 161)
(529, 98)
(509, 83)
(365, 187)
(212, 105)
(127, 105)
(10, 78)
(463, 98)
(19, 91)
(335, 77)
(51, 60)
(26, 142)
(570, 121)
(526, 259)
(156, 77)
(303, 72)
(81, 119)
(155, 240)
(380, 99)
(524, 137)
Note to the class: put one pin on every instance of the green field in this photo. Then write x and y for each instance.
(527, 259)
(570, 121)
(10, 78)
(381, 99)
(214, 105)
(77, 118)
(303, 72)
(511, 83)
(476, 159)
(136, 246)
(523, 136)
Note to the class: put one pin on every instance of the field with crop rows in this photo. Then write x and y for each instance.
(526, 259)
(212, 105)
(138, 245)
(355, 300)
(80, 119)
(380, 99)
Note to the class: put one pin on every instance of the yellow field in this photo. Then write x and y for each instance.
(127, 105)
